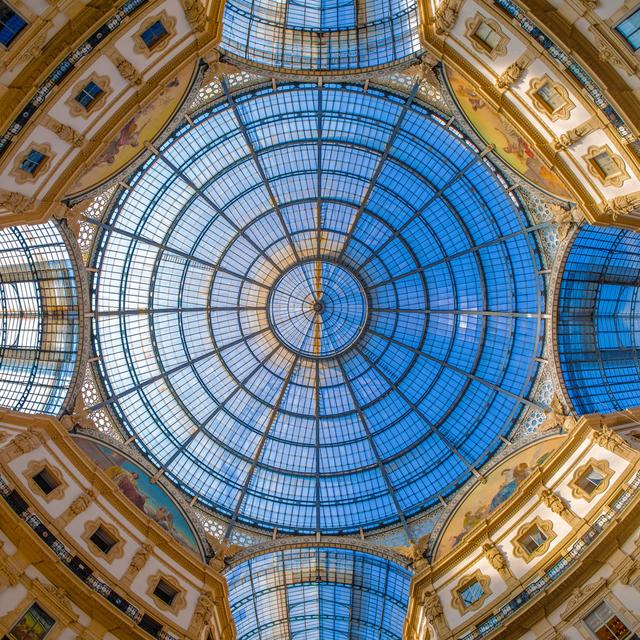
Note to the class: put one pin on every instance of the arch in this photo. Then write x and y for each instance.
(39, 316)
(598, 320)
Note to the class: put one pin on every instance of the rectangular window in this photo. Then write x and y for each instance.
(89, 94)
(605, 624)
(32, 162)
(605, 164)
(470, 593)
(103, 539)
(165, 592)
(154, 34)
(532, 539)
(487, 36)
(629, 29)
(550, 97)
(46, 481)
(590, 480)
(11, 24)
(35, 624)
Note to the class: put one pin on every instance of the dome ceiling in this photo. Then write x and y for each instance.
(318, 308)
(321, 36)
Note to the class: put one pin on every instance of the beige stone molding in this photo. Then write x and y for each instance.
(36, 466)
(569, 138)
(22, 443)
(91, 527)
(472, 25)
(434, 613)
(557, 506)
(602, 466)
(621, 206)
(20, 175)
(545, 526)
(608, 439)
(485, 584)
(196, 14)
(179, 600)
(205, 609)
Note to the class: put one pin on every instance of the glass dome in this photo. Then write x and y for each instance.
(318, 594)
(321, 35)
(39, 313)
(318, 308)
(598, 323)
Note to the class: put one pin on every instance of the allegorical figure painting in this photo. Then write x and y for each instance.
(502, 482)
(135, 484)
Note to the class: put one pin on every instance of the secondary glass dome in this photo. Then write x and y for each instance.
(318, 308)
(321, 35)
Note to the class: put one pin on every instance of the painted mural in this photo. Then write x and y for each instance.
(502, 482)
(144, 125)
(495, 129)
(136, 485)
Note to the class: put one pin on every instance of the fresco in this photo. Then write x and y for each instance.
(136, 485)
(495, 129)
(145, 124)
(502, 482)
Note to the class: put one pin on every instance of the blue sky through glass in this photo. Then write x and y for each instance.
(443, 358)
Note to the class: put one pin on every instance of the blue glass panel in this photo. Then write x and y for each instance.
(32, 161)
(11, 24)
(153, 34)
(308, 332)
(629, 29)
(88, 94)
(318, 594)
(599, 320)
(39, 316)
(321, 34)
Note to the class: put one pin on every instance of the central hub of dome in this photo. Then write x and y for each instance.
(317, 309)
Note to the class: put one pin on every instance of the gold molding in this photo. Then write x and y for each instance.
(168, 22)
(36, 466)
(478, 44)
(21, 176)
(75, 108)
(559, 113)
(613, 180)
(600, 465)
(477, 576)
(90, 527)
(179, 601)
(545, 526)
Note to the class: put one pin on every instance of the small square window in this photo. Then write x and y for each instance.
(11, 24)
(89, 94)
(154, 34)
(605, 624)
(165, 592)
(629, 29)
(605, 165)
(487, 36)
(33, 161)
(532, 539)
(103, 540)
(470, 593)
(35, 623)
(590, 480)
(550, 97)
(46, 481)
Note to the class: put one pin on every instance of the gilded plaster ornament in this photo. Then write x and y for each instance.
(77, 417)
(567, 139)
(22, 443)
(608, 439)
(196, 14)
(222, 552)
(126, 69)
(564, 219)
(581, 593)
(434, 613)
(553, 501)
(204, 609)
(423, 71)
(622, 206)
(217, 67)
(513, 72)
(446, 16)
(496, 559)
(138, 561)
(557, 416)
(63, 131)
(15, 202)
(78, 505)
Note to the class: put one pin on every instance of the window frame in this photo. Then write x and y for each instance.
(16, 34)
